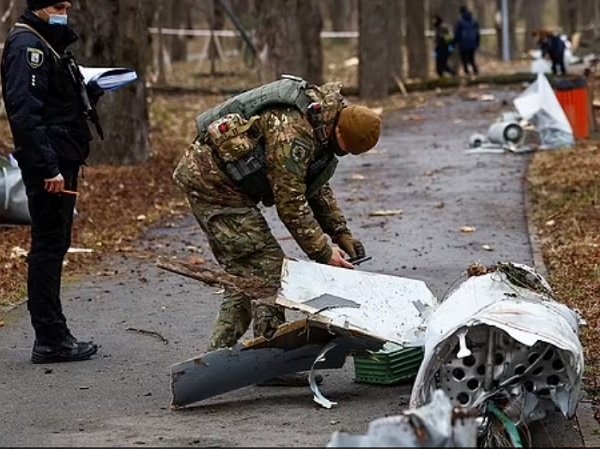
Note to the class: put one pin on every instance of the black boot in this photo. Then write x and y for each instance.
(69, 350)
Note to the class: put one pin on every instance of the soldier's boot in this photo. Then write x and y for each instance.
(290, 380)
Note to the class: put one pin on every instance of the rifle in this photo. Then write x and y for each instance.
(89, 109)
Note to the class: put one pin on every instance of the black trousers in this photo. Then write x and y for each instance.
(558, 63)
(441, 64)
(467, 57)
(51, 225)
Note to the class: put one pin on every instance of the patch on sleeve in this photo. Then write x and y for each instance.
(35, 57)
(298, 157)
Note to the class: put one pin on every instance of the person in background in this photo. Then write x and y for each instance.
(444, 46)
(52, 141)
(553, 47)
(467, 38)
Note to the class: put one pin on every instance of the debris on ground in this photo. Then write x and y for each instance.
(386, 213)
(538, 122)
(13, 200)
(196, 269)
(501, 344)
(437, 424)
(348, 311)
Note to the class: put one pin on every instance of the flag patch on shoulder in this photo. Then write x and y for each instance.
(35, 57)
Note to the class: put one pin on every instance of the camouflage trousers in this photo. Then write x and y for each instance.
(244, 245)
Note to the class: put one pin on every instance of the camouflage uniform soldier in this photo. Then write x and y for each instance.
(276, 144)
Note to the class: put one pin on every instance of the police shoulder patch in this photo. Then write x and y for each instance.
(35, 57)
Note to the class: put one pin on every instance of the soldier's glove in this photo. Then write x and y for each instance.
(350, 245)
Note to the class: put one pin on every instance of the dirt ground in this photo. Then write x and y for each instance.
(122, 396)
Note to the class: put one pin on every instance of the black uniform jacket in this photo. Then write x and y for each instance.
(45, 112)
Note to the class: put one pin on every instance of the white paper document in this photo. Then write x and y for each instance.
(108, 78)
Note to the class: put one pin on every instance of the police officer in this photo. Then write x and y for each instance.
(277, 144)
(51, 139)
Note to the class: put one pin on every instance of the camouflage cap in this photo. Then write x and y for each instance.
(360, 128)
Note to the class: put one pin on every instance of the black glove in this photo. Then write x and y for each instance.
(350, 245)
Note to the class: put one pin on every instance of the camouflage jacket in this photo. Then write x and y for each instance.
(291, 147)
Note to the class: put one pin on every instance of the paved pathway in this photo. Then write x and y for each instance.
(121, 398)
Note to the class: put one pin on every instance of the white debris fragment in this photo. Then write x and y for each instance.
(436, 424)
(80, 250)
(386, 213)
(525, 346)
(318, 397)
(17, 252)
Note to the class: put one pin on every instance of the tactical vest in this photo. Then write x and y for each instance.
(249, 172)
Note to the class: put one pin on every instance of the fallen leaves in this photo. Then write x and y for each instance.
(196, 261)
(110, 220)
(565, 184)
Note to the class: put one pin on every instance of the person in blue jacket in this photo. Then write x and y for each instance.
(467, 38)
(52, 141)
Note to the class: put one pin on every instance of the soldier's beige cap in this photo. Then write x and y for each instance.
(360, 128)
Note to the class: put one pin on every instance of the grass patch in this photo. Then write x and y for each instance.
(565, 191)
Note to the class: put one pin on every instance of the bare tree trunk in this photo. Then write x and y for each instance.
(586, 9)
(162, 53)
(374, 65)
(282, 42)
(396, 25)
(311, 24)
(568, 16)
(596, 18)
(446, 9)
(117, 35)
(339, 12)
(482, 12)
(178, 17)
(418, 55)
(9, 12)
(515, 14)
(533, 11)
(498, 27)
(216, 21)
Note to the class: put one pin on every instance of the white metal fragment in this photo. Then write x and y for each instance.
(433, 425)
(525, 346)
(390, 308)
(318, 397)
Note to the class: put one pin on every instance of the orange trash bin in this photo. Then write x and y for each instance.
(573, 96)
